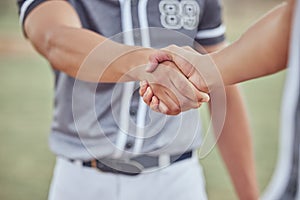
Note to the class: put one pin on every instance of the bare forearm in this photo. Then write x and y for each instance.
(236, 147)
(89, 56)
(262, 50)
(79, 52)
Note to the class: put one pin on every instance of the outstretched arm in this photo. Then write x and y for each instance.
(262, 50)
(234, 143)
(55, 30)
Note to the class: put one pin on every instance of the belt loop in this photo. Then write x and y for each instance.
(164, 160)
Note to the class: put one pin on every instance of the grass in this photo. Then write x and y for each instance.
(263, 97)
(26, 92)
(25, 104)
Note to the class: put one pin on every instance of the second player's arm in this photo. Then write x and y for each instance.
(262, 49)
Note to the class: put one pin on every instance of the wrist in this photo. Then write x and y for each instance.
(131, 64)
(210, 77)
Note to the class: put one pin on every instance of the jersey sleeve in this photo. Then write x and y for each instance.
(25, 7)
(211, 29)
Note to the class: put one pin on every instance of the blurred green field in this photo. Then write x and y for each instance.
(26, 91)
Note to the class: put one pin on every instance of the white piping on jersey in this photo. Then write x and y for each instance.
(24, 8)
(143, 19)
(127, 22)
(289, 108)
(129, 86)
(212, 33)
(142, 110)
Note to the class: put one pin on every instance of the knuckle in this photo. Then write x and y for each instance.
(146, 100)
(195, 105)
(177, 110)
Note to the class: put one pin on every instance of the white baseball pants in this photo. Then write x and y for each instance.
(182, 180)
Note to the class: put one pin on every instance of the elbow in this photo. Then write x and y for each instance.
(44, 43)
(51, 48)
(278, 63)
(49, 43)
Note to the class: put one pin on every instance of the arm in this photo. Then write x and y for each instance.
(89, 56)
(262, 50)
(235, 143)
(61, 39)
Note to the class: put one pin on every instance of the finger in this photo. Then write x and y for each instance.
(163, 108)
(168, 105)
(180, 57)
(177, 89)
(198, 95)
(202, 96)
(147, 97)
(143, 87)
(179, 83)
(166, 96)
(187, 105)
(188, 88)
(197, 80)
(189, 97)
(154, 104)
(159, 106)
(195, 100)
(183, 89)
(174, 88)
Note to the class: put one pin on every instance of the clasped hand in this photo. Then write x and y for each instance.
(176, 84)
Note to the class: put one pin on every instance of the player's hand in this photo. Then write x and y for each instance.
(179, 96)
(198, 68)
(179, 56)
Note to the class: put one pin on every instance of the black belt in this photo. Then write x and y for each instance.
(133, 166)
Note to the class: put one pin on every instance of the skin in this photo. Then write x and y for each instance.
(75, 51)
(234, 143)
(66, 45)
(262, 50)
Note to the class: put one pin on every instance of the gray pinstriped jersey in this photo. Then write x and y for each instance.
(89, 120)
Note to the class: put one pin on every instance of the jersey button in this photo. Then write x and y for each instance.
(137, 34)
(132, 112)
(129, 145)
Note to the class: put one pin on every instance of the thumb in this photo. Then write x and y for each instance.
(157, 58)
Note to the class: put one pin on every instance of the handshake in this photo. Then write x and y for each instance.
(181, 79)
